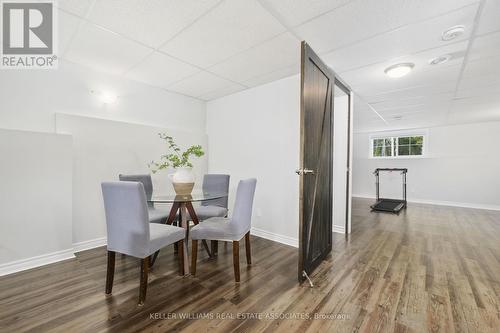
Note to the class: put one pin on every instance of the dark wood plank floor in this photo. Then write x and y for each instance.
(431, 269)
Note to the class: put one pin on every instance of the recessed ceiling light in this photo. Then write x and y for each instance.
(453, 32)
(399, 70)
(440, 60)
(397, 117)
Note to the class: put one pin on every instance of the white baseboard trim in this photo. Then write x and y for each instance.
(275, 237)
(439, 203)
(90, 244)
(44, 259)
(339, 229)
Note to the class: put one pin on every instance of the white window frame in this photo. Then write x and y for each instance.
(394, 136)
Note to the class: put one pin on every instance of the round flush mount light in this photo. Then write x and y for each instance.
(453, 32)
(399, 70)
(440, 60)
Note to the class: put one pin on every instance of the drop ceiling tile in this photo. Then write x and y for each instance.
(363, 19)
(403, 41)
(363, 112)
(67, 28)
(77, 7)
(418, 120)
(489, 20)
(150, 22)
(368, 125)
(413, 109)
(427, 90)
(487, 99)
(161, 70)
(485, 46)
(295, 12)
(104, 50)
(279, 52)
(228, 29)
(482, 67)
(200, 84)
(415, 101)
(222, 92)
(482, 86)
(467, 113)
(273, 76)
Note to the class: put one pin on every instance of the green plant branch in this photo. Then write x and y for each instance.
(174, 157)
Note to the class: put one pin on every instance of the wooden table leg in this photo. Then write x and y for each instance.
(170, 220)
(195, 220)
(184, 224)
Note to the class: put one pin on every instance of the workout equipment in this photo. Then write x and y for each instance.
(385, 204)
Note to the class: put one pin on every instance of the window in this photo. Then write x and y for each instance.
(398, 146)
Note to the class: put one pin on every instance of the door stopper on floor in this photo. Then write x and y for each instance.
(304, 274)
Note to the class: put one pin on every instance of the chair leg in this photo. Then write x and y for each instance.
(215, 247)
(248, 248)
(110, 272)
(236, 260)
(180, 245)
(194, 256)
(144, 280)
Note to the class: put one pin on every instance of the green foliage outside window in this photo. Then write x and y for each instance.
(398, 146)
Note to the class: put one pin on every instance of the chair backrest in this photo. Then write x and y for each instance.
(242, 213)
(146, 182)
(217, 184)
(127, 220)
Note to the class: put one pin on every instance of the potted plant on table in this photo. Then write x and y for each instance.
(183, 178)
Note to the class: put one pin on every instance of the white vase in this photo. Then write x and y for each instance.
(182, 180)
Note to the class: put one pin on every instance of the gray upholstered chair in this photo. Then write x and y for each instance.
(217, 207)
(156, 215)
(229, 229)
(129, 231)
(213, 208)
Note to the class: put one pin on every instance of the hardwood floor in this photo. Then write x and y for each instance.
(430, 269)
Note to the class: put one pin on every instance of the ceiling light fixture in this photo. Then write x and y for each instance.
(440, 60)
(399, 70)
(106, 97)
(453, 32)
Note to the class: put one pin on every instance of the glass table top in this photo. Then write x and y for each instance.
(193, 197)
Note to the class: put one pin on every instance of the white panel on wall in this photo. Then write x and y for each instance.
(102, 150)
(35, 199)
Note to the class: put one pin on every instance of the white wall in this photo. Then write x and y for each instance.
(102, 149)
(30, 99)
(341, 132)
(255, 133)
(35, 199)
(461, 167)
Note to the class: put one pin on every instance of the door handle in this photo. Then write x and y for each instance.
(301, 172)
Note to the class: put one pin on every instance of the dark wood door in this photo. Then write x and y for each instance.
(316, 158)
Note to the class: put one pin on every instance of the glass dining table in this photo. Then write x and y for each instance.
(183, 204)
